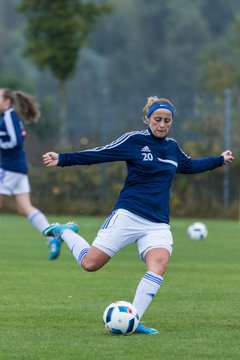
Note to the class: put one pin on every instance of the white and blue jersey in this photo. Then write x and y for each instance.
(12, 134)
(152, 164)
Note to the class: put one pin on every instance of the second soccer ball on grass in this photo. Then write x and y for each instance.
(197, 231)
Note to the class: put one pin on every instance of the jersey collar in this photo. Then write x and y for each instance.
(158, 139)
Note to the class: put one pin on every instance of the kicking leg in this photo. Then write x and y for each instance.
(89, 258)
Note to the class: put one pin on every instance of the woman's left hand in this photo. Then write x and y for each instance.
(228, 157)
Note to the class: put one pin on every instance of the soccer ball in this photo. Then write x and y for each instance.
(121, 317)
(197, 231)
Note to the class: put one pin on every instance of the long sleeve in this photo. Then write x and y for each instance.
(187, 165)
(119, 150)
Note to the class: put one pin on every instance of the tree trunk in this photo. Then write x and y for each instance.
(63, 140)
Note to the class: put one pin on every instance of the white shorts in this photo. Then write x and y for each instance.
(123, 227)
(12, 183)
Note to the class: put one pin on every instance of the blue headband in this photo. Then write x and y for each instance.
(160, 106)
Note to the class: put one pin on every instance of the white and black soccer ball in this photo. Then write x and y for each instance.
(121, 317)
(197, 231)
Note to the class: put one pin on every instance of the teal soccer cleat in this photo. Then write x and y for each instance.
(55, 248)
(56, 229)
(142, 329)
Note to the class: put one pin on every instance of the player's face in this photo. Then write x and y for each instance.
(4, 103)
(160, 122)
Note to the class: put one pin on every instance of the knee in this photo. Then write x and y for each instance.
(89, 266)
(162, 266)
(158, 268)
(158, 265)
(94, 260)
(24, 210)
(21, 210)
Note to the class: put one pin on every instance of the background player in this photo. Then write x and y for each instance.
(13, 163)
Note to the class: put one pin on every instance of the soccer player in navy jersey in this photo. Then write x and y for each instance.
(13, 163)
(141, 213)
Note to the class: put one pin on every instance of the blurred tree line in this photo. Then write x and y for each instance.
(186, 51)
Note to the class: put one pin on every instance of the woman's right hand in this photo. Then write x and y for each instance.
(50, 159)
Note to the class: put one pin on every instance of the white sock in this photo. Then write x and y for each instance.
(39, 220)
(78, 245)
(146, 290)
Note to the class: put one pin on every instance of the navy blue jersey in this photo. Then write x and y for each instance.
(12, 134)
(152, 164)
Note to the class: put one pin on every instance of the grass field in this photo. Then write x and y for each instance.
(53, 310)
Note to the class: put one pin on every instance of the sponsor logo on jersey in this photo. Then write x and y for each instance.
(146, 153)
(146, 149)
